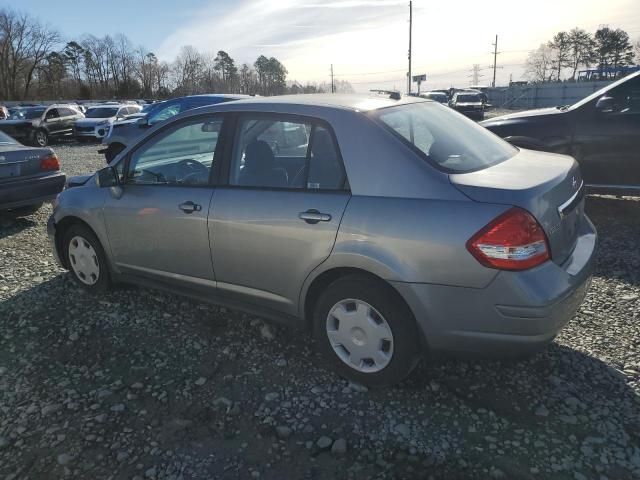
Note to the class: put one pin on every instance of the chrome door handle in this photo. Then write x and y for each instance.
(314, 216)
(189, 207)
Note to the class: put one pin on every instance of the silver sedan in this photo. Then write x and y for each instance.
(390, 228)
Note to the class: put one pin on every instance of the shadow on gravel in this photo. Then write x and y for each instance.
(509, 415)
(11, 226)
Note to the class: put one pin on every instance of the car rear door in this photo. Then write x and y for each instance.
(157, 224)
(278, 216)
(607, 143)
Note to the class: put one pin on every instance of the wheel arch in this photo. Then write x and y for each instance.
(62, 226)
(321, 281)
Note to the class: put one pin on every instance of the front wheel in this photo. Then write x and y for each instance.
(365, 331)
(41, 138)
(86, 259)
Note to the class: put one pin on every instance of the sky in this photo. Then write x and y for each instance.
(365, 40)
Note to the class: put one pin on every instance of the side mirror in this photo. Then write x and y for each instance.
(107, 177)
(605, 104)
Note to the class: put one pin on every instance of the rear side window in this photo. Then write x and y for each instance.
(448, 140)
(274, 152)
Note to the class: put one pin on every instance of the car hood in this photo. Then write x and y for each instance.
(538, 112)
(90, 122)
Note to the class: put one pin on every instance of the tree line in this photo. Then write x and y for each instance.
(36, 63)
(561, 57)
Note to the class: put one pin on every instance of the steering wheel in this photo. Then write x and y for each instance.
(193, 169)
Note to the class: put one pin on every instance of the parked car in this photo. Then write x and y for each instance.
(122, 133)
(98, 120)
(28, 177)
(4, 112)
(40, 124)
(439, 97)
(602, 132)
(468, 103)
(395, 227)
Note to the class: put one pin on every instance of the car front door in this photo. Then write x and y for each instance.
(607, 140)
(53, 122)
(157, 222)
(278, 216)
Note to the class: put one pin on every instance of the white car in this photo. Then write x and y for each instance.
(98, 120)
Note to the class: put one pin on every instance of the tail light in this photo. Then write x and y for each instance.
(513, 241)
(50, 162)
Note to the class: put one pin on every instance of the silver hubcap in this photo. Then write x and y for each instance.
(359, 335)
(41, 138)
(84, 260)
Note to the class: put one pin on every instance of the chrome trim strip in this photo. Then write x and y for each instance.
(562, 207)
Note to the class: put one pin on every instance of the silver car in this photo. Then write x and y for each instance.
(388, 227)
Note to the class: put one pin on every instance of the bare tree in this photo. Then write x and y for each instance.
(540, 65)
(25, 45)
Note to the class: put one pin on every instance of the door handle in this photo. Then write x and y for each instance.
(314, 216)
(189, 207)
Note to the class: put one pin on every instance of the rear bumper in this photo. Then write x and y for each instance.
(518, 313)
(31, 191)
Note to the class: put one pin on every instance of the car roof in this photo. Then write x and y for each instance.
(354, 102)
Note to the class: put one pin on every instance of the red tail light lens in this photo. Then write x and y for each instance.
(513, 241)
(50, 162)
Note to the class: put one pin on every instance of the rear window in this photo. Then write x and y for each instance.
(448, 140)
(468, 98)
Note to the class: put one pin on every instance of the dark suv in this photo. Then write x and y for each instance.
(122, 133)
(40, 124)
(601, 131)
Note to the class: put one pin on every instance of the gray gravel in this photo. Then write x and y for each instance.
(146, 385)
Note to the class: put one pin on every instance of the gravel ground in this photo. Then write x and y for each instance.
(146, 385)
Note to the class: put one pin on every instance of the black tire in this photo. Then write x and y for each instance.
(40, 138)
(113, 151)
(399, 318)
(103, 282)
(23, 211)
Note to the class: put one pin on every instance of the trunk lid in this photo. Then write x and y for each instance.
(20, 161)
(547, 185)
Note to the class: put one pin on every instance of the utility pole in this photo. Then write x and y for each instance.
(333, 87)
(410, 25)
(495, 61)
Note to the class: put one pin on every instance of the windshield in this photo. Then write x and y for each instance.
(4, 139)
(468, 97)
(26, 114)
(101, 112)
(448, 140)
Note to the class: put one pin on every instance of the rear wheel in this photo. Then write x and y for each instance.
(86, 259)
(41, 138)
(365, 331)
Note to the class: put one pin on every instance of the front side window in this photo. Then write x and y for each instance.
(52, 113)
(182, 155)
(448, 140)
(281, 152)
